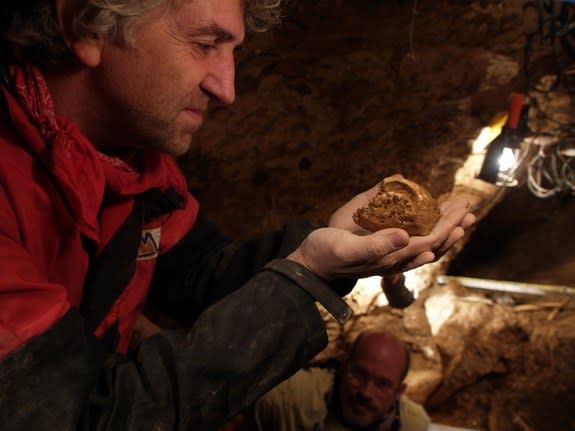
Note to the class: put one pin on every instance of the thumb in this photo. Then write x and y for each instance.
(383, 242)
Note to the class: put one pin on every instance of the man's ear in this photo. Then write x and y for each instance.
(88, 50)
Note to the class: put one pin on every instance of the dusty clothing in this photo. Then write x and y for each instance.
(85, 240)
(305, 402)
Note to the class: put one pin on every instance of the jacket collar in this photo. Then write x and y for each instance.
(84, 175)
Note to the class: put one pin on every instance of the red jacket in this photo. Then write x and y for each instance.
(51, 196)
(251, 315)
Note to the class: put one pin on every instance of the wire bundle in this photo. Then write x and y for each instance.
(552, 169)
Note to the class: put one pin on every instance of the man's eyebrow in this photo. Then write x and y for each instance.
(213, 30)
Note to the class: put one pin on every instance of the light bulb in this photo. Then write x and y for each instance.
(507, 159)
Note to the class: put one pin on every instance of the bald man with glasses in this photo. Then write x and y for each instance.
(365, 393)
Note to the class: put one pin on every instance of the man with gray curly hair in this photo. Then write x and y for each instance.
(98, 98)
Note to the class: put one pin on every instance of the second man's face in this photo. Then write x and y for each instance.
(369, 388)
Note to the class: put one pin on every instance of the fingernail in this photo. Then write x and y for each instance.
(398, 240)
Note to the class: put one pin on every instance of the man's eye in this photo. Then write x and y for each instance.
(384, 385)
(205, 47)
(358, 374)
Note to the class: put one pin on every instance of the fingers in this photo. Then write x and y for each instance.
(385, 252)
(455, 235)
(421, 259)
(380, 244)
(468, 221)
(452, 204)
(446, 225)
(454, 222)
(449, 206)
(447, 232)
(378, 253)
(333, 253)
(405, 264)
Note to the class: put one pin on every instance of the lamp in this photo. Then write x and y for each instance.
(503, 152)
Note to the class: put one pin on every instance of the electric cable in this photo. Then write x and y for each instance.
(552, 169)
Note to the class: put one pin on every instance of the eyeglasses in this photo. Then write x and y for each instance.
(358, 377)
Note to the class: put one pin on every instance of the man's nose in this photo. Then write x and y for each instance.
(219, 82)
(368, 390)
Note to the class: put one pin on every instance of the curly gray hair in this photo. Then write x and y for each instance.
(31, 33)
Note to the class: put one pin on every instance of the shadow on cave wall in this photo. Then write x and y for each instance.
(524, 239)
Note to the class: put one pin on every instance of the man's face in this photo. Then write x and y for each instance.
(154, 95)
(370, 385)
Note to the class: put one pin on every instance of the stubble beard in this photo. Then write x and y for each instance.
(355, 419)
(164, 135)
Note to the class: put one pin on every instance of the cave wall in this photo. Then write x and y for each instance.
(344, 93)
(523, 239)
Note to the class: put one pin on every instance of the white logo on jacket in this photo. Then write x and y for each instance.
(149, 243)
